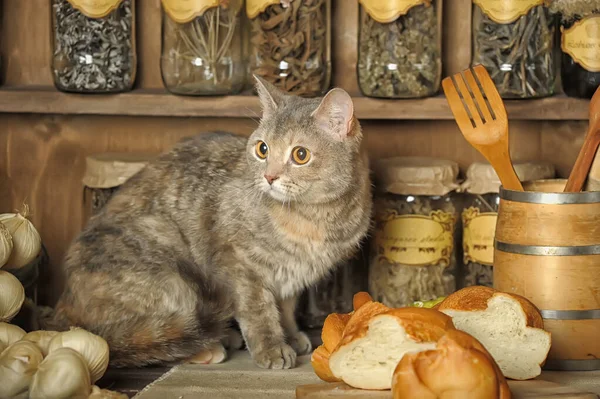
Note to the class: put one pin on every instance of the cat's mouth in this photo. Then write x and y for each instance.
(278, 193)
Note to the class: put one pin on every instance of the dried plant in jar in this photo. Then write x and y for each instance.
(479, 223)
(94, 45)
(479, 215)
(413, 257)
(580, 45)
(399, 50)
(515, 44)
(290, 44)
(202, 51)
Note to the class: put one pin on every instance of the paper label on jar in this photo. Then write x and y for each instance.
(95, 8)
(506, 11)
(255, 7)
(183, 11)
(479, 230)
(416, 240)
(582, 42)
(386, 11)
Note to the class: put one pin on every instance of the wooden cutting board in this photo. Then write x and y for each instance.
(533, 389)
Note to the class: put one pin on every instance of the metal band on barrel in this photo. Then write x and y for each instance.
(542, 250)
(572, 365)
(571, 314)
(532, 197)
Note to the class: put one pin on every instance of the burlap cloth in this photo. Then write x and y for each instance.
(110, 169)
(416, 175)
(239, 378)
(236, 378)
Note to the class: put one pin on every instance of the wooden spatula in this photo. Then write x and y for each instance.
(482, 119)
(588, 151)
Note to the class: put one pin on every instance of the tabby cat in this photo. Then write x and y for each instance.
(223, 228)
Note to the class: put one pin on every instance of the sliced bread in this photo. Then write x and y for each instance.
(509, 326)
(375, 340)
(458, 367)
(333, 329)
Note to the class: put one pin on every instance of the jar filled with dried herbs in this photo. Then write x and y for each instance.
(334, 294)
(94, 45)
(399, 48)
(417, 209)
(479, 217)
(514, 41)
(290, 44)
(580, 45)
(106, 172)
(202, 50)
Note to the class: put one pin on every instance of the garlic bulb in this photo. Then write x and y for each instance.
(98, 393)
(12, 295)
(18, 364)
(93, 348)
(6, 245)
(62, 374)
(10, 334)
(41, 338)
(27, 242)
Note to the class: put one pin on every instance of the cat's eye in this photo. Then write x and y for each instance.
(300, 155)
(261, 149)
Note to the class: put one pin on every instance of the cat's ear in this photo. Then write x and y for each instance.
(270, 97)
(335, 114)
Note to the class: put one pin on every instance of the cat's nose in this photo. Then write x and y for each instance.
(271, 179)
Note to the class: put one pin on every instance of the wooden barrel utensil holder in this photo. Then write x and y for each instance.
(547, 249)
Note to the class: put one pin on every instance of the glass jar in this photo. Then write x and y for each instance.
(105, 173)
(413, 257)
(399, 48)
(479, 215)
(334, 294)
(290, 44)
(515, 43)
(580, 45)
(93, 45)
(202, 47)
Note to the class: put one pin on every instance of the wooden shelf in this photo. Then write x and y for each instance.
(161, 103)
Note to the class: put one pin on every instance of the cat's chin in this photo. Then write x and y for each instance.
(278, 195)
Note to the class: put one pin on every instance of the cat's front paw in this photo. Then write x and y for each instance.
(281, 356)
(301, 343)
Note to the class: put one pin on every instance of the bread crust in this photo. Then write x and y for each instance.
(477, 297)
(320, 363)
(358, 324)
(459, 367)
(360, 299)
(333, 329)
(423, 324)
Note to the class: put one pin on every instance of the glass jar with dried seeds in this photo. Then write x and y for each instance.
(479, 216)
(94, 45)
(580, 45)
(202, 47)
(105, 173)
(399, 48)
(334, 294)
(514, 41)
(413, 256)
(290, 44)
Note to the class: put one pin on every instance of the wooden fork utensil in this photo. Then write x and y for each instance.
(480, 114)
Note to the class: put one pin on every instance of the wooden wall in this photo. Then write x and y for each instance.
(43, 156)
